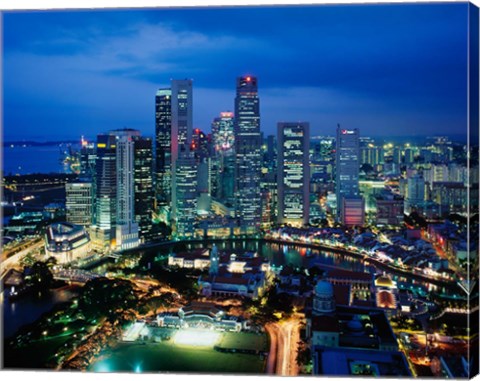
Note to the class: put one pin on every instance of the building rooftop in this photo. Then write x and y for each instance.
(359, 362)
(341, 293)
(325, 323)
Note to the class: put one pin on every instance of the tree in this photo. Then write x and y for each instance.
(106, 297)
(39, 275)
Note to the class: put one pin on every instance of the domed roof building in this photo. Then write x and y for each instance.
(355, 326)
(385, 281)
(323, 298)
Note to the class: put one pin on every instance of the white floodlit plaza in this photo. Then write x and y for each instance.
(134, 331)
(196, 338)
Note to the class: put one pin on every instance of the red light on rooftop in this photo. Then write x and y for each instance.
(248, 79)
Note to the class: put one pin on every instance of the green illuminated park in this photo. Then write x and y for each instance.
(170, 357)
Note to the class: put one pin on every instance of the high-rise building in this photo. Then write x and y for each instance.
(353, 211)
(182, 122)
(268, 186)
(223, 160)
(186, 196)
(415, 192)
(106, 191)
(182, 116)
(173, 130)
(347, 166)
(199, 145)
(143, 183)
(126, 226)
(293, 173)
(248, 155)
(223, 132)
(79, 202)
(88, 155)
(163, 147)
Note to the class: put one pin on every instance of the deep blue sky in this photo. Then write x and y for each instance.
(386, 69)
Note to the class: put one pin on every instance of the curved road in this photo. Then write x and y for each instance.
(284, 338)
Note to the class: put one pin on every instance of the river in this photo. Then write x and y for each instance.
(298, 256)
(28, 309)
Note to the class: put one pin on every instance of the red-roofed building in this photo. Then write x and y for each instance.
(360, 283)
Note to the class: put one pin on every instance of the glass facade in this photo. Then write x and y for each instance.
(293, 173)
(248, 155)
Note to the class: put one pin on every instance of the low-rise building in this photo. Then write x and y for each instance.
(67, 242)
(203, 315)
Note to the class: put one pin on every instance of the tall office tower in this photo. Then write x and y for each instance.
(268, 182)
(223, 132)
(163, 147)
(126, 226)
(268, 186)
(106, 191)
(293, 173)
(347, 166)
(173, 131)
(223, 161)
(199, 145)
(88, 155)
(186, 196)
(182, 121)
(182, 116)
(143, 183)
(248, 156)
(79, 202)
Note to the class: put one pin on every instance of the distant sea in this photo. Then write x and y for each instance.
(28, 159)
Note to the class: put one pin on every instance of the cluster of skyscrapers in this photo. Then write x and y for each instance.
(236, 182)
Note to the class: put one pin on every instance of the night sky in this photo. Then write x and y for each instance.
(395, 70)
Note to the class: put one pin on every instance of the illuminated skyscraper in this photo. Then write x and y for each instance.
(163, 142)
(223, 161)
(293, 173)
(88, 155)
(143, 183)
(347, 166)
(182, 116)
(223, 132)
(79, 202)
(248, 156)
(173, 129)
(182, 122)
(126, 226)
(106, 191)
(186, 196)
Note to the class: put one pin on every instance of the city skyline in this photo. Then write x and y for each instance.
(278, 190)
(105, 66)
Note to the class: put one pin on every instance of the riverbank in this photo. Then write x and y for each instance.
(374, 262)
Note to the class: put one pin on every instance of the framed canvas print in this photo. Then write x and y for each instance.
(249, 189)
